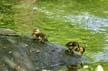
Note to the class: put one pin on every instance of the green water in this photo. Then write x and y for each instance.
(85, 21)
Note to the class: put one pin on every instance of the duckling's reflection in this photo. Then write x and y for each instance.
(73, 68)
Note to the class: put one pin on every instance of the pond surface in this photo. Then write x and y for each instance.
(89, 21)
(55, 18)
(93, 23)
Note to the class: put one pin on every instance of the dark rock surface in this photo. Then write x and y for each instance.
(22, 53)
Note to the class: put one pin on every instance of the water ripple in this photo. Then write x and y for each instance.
(101, 57)
(89, 21)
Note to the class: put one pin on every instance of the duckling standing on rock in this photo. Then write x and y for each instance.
(74, 48)
(37, 35)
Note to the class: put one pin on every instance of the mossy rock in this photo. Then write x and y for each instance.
(22, 53)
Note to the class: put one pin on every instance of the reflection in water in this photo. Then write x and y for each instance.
(89, 21)
(72, 68)
(102, 56)
(86, 20)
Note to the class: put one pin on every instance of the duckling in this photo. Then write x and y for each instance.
(72, 47)
(38, 35)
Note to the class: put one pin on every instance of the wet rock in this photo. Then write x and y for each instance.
(22, 53)
(6, 31)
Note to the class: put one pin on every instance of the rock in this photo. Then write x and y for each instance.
(22, 53)
(6, 31)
